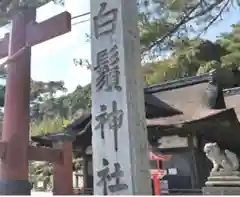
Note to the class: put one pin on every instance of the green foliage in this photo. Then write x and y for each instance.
(50, 113)
(208, 66)
(49, 110)
(42, 171)
(231, 42)
(46, 105)
(160, 71)
(189, 58)
(80, 98)
(48, 126)
(197, 56)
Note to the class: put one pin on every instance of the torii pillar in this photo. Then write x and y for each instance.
(15, 136)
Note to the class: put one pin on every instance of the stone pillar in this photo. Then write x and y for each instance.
(14, 167)
(119, 135)
(62, 172)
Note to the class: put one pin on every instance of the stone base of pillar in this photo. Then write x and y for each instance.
(15, 187)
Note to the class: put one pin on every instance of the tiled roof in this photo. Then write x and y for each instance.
(175, 84)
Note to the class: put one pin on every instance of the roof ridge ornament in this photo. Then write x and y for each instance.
(213, 96)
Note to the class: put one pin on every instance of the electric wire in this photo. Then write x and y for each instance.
(80, 15)
(79, 22)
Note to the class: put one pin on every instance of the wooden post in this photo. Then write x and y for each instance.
(119, 140)
(62, 171)
(25, 33)
(14, 168)
(156, 184)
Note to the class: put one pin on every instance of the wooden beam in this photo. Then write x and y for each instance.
(3, 149)
(48, 29)
(40, 32)
(44, 154)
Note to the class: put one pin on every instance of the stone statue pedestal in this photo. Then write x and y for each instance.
(222, 183)
(221, 191)
(223, 178)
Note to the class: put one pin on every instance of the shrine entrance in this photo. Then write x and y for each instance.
(15, 150)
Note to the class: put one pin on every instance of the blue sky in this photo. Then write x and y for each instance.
(53, 60)
(225, 25)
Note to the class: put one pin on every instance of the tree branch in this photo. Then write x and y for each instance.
(187, 18)
(183, 21)
(216, 17)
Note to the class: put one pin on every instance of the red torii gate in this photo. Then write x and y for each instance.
(157, 173)
(14, 146)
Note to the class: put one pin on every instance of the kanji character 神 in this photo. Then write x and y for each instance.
(114, 120)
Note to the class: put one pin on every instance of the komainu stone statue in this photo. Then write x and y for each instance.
(224, 160)
(225, 166)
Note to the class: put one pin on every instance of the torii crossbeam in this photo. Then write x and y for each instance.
(14, 147)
